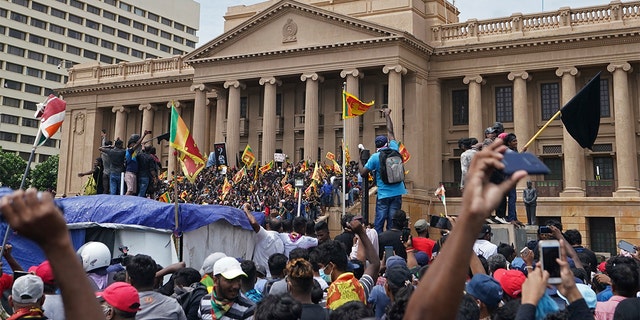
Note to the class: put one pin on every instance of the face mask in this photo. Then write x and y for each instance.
(325, 277)
(182, 290)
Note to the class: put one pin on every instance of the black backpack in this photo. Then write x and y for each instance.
(391, 168)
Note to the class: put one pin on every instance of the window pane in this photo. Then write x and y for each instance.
(460, 104)
(602, 232)
(15, 51)
(152, 44)
(36, 39)
(8, 136)
(32, 89)
(7, 118)
(166, 21)
(604, 166)
(555, 165)
(18, 17)
(38, 23)
(30, 105)
(165, 48)
(165, 35)
(106, 59)
(109, 15)
(152, 30)
(109, 30)
(137, 53)
(11, 102)
(10, 84)
(21, 2)
(73, 50)
(504, 104)
(14, 67)
(139, 12)
(53, 77)
(138, 25)
(24, 138)
(177, 39)
(153, 16)
(53, 60)
(124, 20)
(123, 49)
(36, 56)
(179, 26)
(137, 39)
(33, 123)
(58, 13)
(90, 39)
(34, 72)
(107, 44)
(75, 19)
(92, 24)
(92, 9)
(39, 7)
(605, 108)
(77, 4)
(90, 54)
(123, 35)
(125, 6)
(74, 34)
(17, 34)
(550, 99)
(56, 29)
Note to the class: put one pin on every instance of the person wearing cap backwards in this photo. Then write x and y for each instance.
(422, 241)
(27, 297)
(141, 273)
(389, 196)
(120, 300)
(483, 245)
(487, 292)
(225, 301)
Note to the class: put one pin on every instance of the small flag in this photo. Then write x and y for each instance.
(336, 167)
(226, 187)
(164, 136)
(183, 195)
(180, 139)
(310, 189)
(581, 115)
(403, 152)
(352, 107)
(440, 193)
(267, 167)
(239, 175)
(164, 198)
(347, 157)
(304, 167)
(316, 173)
(248, 158)
(284, 179)
(51, 114)
(288, 189)
(255, 176)
(331, 156)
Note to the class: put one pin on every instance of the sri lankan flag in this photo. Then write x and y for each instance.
(316, 173)
(305, 166)
(51, 115)
(226, 187)
(164, 198)
(248, 158)
(347, 156)
(331, 156)
(403, 152)
(264, 169)
(311, 188)
(284, 179)
(288, 189)
(352, 107)
(239, 175)
(181, 140)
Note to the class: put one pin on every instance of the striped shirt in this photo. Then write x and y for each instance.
(242, 308)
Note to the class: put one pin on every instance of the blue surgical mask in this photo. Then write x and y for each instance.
(325, 277)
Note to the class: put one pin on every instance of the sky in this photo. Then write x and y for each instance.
(212, 11)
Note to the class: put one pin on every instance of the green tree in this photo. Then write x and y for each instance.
(44, 176)
(11, 170)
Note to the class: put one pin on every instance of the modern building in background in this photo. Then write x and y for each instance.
(43, 39)
(274, 79)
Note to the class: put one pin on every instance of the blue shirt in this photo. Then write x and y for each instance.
(385, 190)
(378, 298)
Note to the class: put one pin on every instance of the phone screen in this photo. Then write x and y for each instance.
(388, 251)
(626, 246)
(545, 229)
(549, 256)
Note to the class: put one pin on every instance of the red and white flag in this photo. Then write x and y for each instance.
(51, 114)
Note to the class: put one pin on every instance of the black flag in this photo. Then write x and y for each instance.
(581, 115)
(164, 136)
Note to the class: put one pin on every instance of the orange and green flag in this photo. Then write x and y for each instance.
(226, 187)
(331, 156)
(316, 173)
(180, 139)
(239, 175)
(347, 156)
(288, 189)
(352, 106)
(264, 169)
(248, 158)
(164, 198)
(403, 152)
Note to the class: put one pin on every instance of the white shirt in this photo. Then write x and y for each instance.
(484, 248)
(291, 243)
(267, 243)
(373, 237)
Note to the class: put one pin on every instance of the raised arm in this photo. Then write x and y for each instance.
(439, 296)
(252, 220)
(139, 142)
(387, 117)
(371, 253)
(29, 213)
(15, 266)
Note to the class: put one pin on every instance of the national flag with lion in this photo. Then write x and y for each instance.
(180, 139)
(248, 158)
(51, 115)
(352, 106)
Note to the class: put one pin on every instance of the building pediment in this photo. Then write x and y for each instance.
(290, 26)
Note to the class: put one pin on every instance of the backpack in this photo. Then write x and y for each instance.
(391, 168)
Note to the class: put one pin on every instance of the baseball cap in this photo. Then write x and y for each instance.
(43, 271)
(421, 225)
(261, 270)
(381, 141)
(27, 289)
(394, 261)
(485, 289)
(511, 281)
(485, 229)
(207, 265)
(228, 267)
(587, 293)
(398, 276)
(121, 296)
(503, 135)
(422, 258)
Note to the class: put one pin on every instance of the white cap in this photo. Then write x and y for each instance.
(229, 268)
(27, 289)
(207, 265)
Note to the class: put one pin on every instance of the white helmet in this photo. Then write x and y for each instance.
(94, 255)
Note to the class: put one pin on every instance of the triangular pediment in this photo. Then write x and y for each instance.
(290, 25)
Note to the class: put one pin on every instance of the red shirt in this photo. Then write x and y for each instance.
(423, 244)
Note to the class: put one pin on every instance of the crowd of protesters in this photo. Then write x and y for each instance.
(298, 271)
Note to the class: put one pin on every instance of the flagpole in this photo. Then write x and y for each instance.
(176, 208)
(344, 130)
(555, 116)
(24, 179)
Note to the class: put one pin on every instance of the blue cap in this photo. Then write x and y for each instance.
(485, 289)
(422, 258)
(381, 141)
(395, 260)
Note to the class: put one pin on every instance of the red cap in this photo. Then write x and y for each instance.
(121, 296)
(511, 281)
(601, 267)
(43, 271)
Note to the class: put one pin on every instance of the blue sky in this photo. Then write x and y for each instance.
(212, 11)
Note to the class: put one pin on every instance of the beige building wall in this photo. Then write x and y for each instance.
(444, 81)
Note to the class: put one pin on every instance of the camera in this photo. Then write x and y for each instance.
(406, 232)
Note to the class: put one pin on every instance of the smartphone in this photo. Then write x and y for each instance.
(440, 222)
(18, 274)
(406, 232)
(544, 229)
(388, 252)
(549, 252)
(627, 246)
(514, 161)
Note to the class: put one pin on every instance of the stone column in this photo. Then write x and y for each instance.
(147, 116)
(573, 163)
(395, 97)
(476, 126)
(233, 120)
(269, 118)
(172, 163)
(221, 114)
(521, 119)
(351, 132)
(200, 115)
(121, 123)
(433, 122)
(626, 156)
(311, 121)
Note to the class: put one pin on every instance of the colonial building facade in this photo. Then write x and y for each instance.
(274, 79)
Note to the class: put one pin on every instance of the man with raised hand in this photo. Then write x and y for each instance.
(30, 213)
(440, 295)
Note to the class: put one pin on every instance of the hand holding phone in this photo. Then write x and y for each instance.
(388, 252)
(549, 252)
(514, 161)
(627, 246)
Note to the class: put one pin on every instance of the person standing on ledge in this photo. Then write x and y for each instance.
(389, 197)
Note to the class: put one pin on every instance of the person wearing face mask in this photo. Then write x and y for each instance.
(120, 300)
(189, 291)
